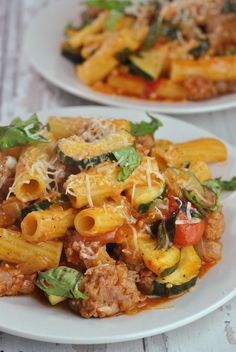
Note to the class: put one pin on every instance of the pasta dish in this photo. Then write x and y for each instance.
(98, 213)
(174, 50)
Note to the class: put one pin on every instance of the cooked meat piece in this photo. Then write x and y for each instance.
(199, 88)
(222, 32)
(86, 254)
(14, 282)
(144, 144)
(209, 251)
(214, 225)
(145, 282)
(111, 290)
(127, 248)
(224, 87)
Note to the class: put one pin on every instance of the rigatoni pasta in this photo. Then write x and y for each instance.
(45, 225)
(15, 249)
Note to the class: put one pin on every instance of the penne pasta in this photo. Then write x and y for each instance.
(15, 249)
(45, 225)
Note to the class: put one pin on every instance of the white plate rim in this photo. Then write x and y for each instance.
(99, 110)
(168, 108)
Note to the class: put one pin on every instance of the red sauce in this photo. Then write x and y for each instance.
(205, 268)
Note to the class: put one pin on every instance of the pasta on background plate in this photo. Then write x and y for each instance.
(98, 213)
(171, 50)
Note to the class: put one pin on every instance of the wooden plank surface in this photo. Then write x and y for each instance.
(23, 90)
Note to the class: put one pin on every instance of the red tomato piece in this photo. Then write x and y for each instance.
(189, 233)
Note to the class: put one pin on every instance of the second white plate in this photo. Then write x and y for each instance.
(43, 40)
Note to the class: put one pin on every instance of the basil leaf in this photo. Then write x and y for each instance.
(61, 281)
(41, 205)
(128, 159)
(143, 208)
(123, 56)
(21, 133)
(201, 49)
(229, 7)
(227, 185)
(113, 17)
(230, 52)
(143, 127)
(157, 29)
(109, 4)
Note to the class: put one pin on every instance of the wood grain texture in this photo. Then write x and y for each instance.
(23, 90)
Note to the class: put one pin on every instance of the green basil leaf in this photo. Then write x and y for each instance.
(143, 127)
(128, 159)
(201, 49)
(21, 133)
(61, 281)
(226, 185)
(113, 17)
(229, 7)
(157, 29)
(109, 4)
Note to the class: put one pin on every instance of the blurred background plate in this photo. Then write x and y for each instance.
(43, 40)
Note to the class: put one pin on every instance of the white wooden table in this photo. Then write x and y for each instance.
(23, 90)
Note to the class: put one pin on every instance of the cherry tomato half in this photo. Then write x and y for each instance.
(188, 234)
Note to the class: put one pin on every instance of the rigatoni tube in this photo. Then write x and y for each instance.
(98, 220)
(15, 249)
(46, 225)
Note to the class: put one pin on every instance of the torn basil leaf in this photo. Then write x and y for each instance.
(229, 7)
(61, 281)
(128, 159)
(157, 29)
(200, 50)
(21, 133)
(108, 4)
(227, 185)
(113, 18)
(142, 128)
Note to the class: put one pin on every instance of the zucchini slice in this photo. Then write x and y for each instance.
(72, 151)
(160, 261)
(53, 300)
(179, 180)
(183, 278)
(41, 205)
(149, 64)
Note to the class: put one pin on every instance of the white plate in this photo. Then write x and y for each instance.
(43, 40)
(27, 317)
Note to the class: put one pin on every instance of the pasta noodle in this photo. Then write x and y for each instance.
(15, 249)
(103, 182)
(45, 225)
(31, 179)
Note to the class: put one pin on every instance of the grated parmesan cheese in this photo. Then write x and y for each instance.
(90, 201)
